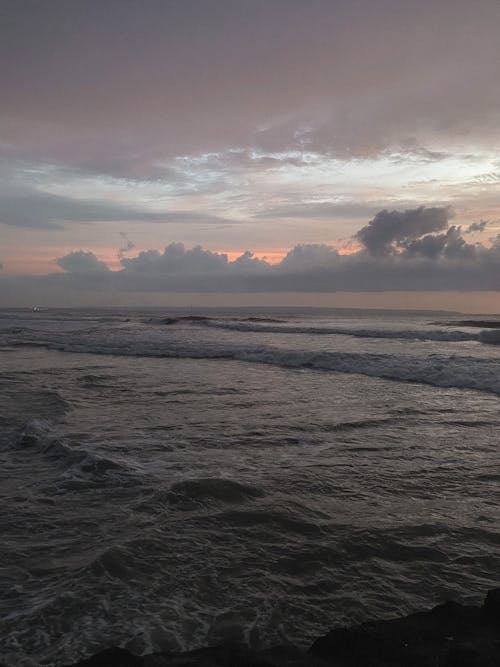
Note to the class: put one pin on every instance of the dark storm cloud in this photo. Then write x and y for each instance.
(432, 246)
(397, 227)
(41, 210)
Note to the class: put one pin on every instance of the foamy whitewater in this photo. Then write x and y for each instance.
(173, 480)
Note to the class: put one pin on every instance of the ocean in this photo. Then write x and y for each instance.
(174, 479)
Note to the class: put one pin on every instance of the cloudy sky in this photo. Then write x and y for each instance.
(341, 152)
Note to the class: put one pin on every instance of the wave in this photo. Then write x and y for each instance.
(478, 324)
(262, 319)
(37, 437)
(490, 337)
(249, 326)
(438, 370)
(115, 561)
(175, 320)
(17, 330)
(269, 325)
(202, 319)
(272, 325)
(273, 519)
(340, 427)
(211, 489)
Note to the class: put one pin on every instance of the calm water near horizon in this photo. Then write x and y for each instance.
(175, 479)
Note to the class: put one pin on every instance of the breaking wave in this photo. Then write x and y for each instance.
(273, 325)
(205, 319)
(196, 319)
(37, 437)
(439, 371)
(432, 334)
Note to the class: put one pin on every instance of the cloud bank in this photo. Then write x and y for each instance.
(416, 249)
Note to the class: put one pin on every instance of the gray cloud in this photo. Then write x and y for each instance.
(477, 227)
(129, 166)
(319, 210)
(397, 227)
(433, 246)
(430, 246)
(125, 87)
(80, 261)
(243, 159)
(308, 257)
(177, 259)
(247, 264)
(399, 254)
(412, 151)
(41, 210)
(126, 246)
(417, 261)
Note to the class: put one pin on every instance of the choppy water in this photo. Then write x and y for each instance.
(170, 481)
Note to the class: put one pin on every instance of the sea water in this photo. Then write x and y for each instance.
(176, 479)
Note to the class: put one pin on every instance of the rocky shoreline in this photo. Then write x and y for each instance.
(449, 635)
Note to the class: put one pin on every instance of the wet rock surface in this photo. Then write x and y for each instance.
(449, 635)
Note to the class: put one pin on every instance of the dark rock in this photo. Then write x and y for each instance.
(225, 655)
(111, 657)
(481, 652)
(424, 639)
(235, 655)
(450, 635)
(492, 605)
(463, 656)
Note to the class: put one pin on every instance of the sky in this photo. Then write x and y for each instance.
(218, 152)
